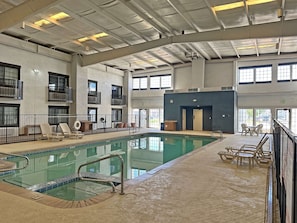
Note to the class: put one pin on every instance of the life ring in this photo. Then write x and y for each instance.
(77, 125)
(76, 153)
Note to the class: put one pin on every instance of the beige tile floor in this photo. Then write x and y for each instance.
(196, 188)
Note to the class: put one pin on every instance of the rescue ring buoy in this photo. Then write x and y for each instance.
(77, 125)
(76, 153)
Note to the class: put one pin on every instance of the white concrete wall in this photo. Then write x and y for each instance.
(34, 85)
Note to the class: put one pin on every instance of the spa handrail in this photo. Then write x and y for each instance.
(108, 156)
(19, 168)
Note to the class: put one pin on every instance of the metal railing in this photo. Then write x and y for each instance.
(285, 156)
(5, 169)
(108, 156)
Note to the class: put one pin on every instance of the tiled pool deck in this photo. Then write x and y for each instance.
(196, 188)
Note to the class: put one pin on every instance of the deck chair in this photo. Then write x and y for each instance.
(253, 153)
(258, 129)
(47, 133)
(245, 130)
(67, 132)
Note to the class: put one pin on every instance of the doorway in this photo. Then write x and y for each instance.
(197, 119)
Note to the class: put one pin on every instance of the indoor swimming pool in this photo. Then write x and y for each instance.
(54, 172)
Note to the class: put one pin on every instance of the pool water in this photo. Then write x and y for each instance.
(54, 172)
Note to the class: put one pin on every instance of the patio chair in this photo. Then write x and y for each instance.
(47, 133)
(245, 130)
(67, 132)
(258, 129)
(252, 152)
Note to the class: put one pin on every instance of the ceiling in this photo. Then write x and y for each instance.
(143, 34)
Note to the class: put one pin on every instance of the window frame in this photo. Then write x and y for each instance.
(59, 88)
(2, 115)
(161, 86)
(90, 92)
(59, 116)
(116, 115)
(255, 74)
(89, 115)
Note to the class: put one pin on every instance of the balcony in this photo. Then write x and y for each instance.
(61, 95)
(11, 88)
(94, 97)
(118, 100)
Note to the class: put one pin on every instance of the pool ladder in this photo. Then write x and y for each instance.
(108, 156)
(13, 168)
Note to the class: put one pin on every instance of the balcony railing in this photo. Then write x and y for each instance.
(94, 97)
(11, 88)
(64, 95)
(118, 100)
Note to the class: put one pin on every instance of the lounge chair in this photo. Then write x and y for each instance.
(68, 133)
(47, 133)
(252, 152)
(245, 130)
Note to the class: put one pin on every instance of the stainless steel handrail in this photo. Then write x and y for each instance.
(104, 158)
(19, 168)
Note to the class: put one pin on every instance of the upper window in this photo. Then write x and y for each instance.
(9, 115)
(286, 72)
(92, 87)
(258, 74)
(9, 71)
(160, 82)
(58, 82)
(116, 92)
(139, 83)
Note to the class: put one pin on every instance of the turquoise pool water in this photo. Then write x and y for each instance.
(54, 172)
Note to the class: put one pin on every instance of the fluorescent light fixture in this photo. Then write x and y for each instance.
(228, 6)
(42, 22)
(58, 16)
(99, 35)
(83, 39)
(239, 4)
(256, 2)
(253, 47)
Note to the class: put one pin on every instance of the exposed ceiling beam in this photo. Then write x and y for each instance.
(116, 20)
(143, 16)
(269, 30)
(182, 12)
(211, 45)
(172, 54)
(158, 57)
(234, 48)
(145, 61)
(23, 11)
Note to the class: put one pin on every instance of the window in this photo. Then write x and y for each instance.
(160, 82)
(246, 75)
(259, 74)
(287, 72)
(9, 71)
(263, 116)
(139, 83)
(92, 88)
(264, 74)
(283, 73)
(245, 116)
(9, 115)
(92, 114)
(155, 117)
(57, 114)
(116, 92)
(58, 82)
(116, 115)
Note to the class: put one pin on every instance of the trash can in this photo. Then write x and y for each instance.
(162, 126)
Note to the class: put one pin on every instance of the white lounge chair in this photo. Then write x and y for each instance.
(245, 129)
(47, 133)
(68, 133)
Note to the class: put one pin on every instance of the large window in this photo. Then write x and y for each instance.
(9, 115)
(160, 82)
(258, 74)
(245, 116)
(139, 83)
(155, 117)
(116, 92)
(9, 71)
(116, 115)
(286, 72)
(58, 82)
(57, 114)
(92, 114)
(92, 88)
